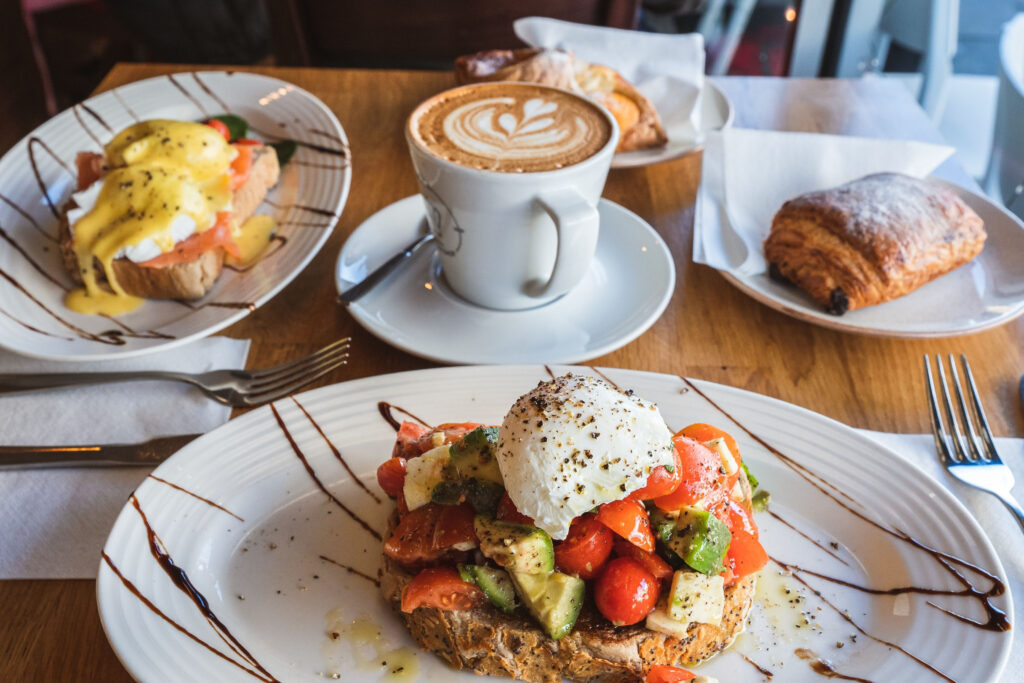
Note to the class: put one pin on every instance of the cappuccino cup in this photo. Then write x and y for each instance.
(511, 174)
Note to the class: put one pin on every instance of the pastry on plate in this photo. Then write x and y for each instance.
(871, 240)
(581, 539)
(639, 124)
(157, 213)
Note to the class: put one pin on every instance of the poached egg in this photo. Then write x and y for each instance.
(574, 443)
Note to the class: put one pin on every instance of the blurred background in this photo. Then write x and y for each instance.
(962, 59)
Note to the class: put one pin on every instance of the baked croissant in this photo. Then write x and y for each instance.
(639, 124)
(871, 240)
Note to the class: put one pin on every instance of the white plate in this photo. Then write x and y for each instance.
(985, 293)
(627, 287)
(716, 114)
(33, 319)
(265, 579)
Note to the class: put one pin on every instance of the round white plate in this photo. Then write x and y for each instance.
(416, 311)
(716, 114)
(306, 202)
(985, 293)
(273, 582)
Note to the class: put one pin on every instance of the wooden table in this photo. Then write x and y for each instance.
(50, 630)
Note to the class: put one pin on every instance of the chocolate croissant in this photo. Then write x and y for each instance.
(871, 240)
(639, 124)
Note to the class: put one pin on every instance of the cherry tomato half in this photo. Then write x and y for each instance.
(425, 533)
(220, 127)
(704, 433)
(586, 548)
(440, 587)
(661, 482)
(625, 592)
(660, 673)
(391, 476)
(507, 512)
(628, 519)
(407, 441)
(702, 475)
(746, 555)
(658, 567)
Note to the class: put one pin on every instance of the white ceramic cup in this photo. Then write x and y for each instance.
(512, 241)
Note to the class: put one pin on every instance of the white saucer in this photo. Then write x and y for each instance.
(628, 286)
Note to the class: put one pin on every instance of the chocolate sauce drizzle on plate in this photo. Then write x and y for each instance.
(820, 545)
(824, 667)
(27, 216)
(387, 410)
(996, 620)
(211, 93)
(337, 453)
(190, 96)
(88, 131)
(763, 671)
(32, 142)
(312, 473)
(181, 580)
(605, 377)
(352, 570)
(302, 207)
(196, 496)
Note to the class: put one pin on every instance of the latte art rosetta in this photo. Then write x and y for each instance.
(503, 128)
(511, 128)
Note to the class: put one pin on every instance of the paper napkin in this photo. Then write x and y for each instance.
(999, 525)
(748, 174)
(53, 523)
(668, 69)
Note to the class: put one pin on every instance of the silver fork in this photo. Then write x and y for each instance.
(973, 459)
(237, 388)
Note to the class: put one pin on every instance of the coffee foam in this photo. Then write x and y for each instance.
(511, 128)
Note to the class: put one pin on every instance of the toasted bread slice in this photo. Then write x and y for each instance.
(190, 280)
(488, 641)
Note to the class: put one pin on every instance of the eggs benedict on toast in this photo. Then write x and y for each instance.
(157, 214)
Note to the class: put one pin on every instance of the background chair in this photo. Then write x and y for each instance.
(1005, 176)
(927, 28)
(416, 33)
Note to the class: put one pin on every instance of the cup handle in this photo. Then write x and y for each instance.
(576, 222)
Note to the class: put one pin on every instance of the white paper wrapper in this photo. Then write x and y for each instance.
(53, 522)
(667, 69)
(748, 174)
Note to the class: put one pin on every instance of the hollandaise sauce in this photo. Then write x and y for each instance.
(167, 180)
(252, 237)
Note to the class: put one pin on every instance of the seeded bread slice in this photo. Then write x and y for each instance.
(487, 641)
(190, 280)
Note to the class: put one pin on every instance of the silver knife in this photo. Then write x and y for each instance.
(148, 453)
(380, 273)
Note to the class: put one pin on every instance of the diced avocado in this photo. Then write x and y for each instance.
(447, 492)
(696, 597)
(701, 540)
(553, 599)
(483, 495)
(662, 524)
(473, 456)
(751, 479)
(422, 474)
(516, 547)
(761, 500)
(495, 583)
